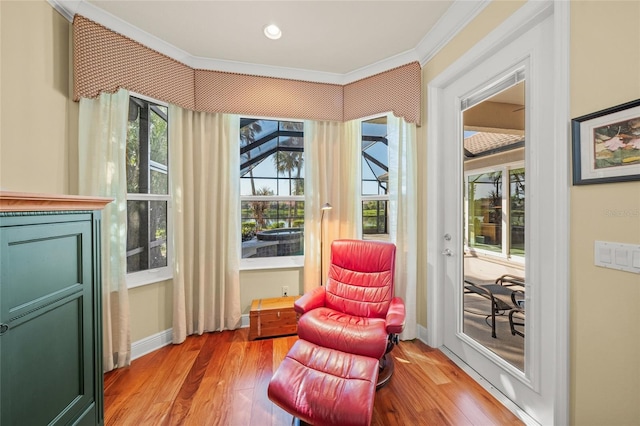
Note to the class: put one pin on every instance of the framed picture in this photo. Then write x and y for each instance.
(606, 145)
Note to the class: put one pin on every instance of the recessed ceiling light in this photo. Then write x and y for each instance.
(272, 31)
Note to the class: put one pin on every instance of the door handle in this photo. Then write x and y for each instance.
(447, 252)
(3, 328)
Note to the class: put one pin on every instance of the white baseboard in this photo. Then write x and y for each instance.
(151, 343)
(245, 321)
(422, 334)
(164, 338)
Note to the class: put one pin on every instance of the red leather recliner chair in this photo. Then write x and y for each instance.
(356, 311)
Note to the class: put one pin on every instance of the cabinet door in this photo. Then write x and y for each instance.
(46, 298)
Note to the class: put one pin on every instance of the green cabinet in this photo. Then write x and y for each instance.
(50, 314)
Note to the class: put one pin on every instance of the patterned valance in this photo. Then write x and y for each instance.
(396, 90)
(105, 61)
(266, 96)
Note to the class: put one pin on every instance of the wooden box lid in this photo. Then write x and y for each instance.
(274, 303)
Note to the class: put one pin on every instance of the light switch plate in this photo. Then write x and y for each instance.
(623, 257)
(604, 255)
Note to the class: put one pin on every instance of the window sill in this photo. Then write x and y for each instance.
(283, 262)
(139, 279)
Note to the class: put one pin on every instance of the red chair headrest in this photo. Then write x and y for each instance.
(361, 277)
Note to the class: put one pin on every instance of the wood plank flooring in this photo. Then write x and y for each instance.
(222, 378)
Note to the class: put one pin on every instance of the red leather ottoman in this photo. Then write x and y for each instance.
(324, 386)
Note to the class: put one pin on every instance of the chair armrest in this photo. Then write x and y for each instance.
(396, 316)
(310, 300)
(509, 280)
(517, 297)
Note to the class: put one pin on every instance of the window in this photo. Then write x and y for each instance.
(271, 188)
(516, 212)
(148, 195)
(375, 179)
(495, 210)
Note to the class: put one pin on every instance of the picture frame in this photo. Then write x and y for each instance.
(606, 145)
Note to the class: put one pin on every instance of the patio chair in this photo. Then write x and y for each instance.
(516, 315)
(499, 295)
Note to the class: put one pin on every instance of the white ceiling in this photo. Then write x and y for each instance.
(322, 40)
(329, 36)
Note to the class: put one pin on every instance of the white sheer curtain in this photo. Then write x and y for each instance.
(403, 217)
(205, 177)
(331, 152)
(102, 138)
(349, 216)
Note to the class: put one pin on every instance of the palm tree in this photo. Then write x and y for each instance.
(259, 207)
(247, 137)
(287, 162)
(298, 161)
(296, 158)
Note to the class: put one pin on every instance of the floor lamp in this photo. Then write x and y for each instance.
(325, 207)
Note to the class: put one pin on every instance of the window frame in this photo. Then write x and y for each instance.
(364, 199)
(505, 169)
(272, 262)
(379, 197)
(151, 276)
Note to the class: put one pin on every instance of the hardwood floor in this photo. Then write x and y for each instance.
(222, 378)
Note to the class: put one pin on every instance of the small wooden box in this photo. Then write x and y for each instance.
(272, 317)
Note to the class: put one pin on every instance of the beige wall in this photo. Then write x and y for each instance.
(151, 309)
(605, 304)
(261, 284)
(38, 118)
(38, 147)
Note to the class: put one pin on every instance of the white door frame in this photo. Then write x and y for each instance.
(521, 21)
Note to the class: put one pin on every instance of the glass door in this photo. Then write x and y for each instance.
(493, 226)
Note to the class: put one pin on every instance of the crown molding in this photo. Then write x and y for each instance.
(201, 63)
(381, 66)
(67, 9)
(455, 19)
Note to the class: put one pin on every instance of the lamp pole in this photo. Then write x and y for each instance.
(325, 207)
